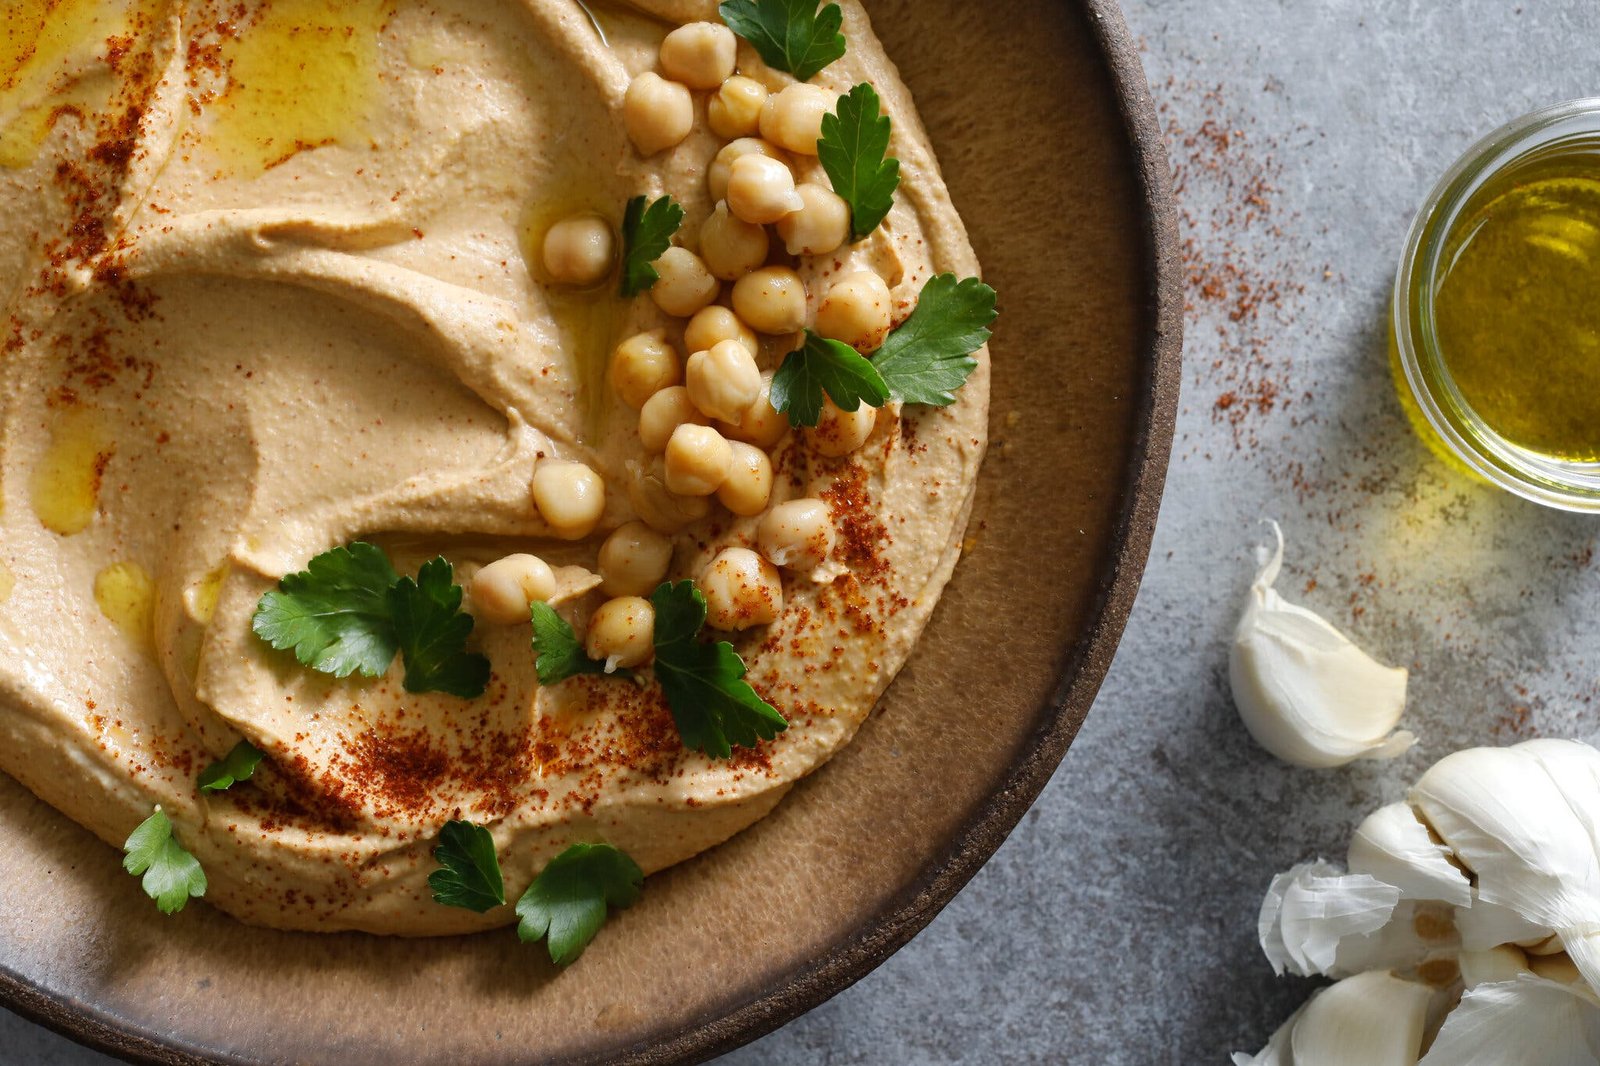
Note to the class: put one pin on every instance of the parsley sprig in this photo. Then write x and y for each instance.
(558, 652)
(789, 35)
(713, 706)
(854, 150)
(238, 765)
(647, 229)
(469, 872)
(820, 366)
(349, 613)
(171, 874)
(567, 903)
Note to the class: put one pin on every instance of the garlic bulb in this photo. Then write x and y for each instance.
(1526, 1020)
(1395, 847)
(1305, 691)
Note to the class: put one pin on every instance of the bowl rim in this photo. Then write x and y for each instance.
(1079, 675)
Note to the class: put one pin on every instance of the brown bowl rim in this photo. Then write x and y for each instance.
(1080, 675)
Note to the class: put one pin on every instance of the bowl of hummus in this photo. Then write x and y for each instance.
(542, 529)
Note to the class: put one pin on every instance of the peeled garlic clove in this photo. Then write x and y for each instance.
(1311, 908)
(1304, 690)
(1396, 848)
(1526, 1020)
(1371, 1019)
(1504, 963)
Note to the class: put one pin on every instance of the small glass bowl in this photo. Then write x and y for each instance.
(1435, 405)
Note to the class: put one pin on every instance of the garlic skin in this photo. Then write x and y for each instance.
(1309, 910)
(1304, 690)
(1372, 1019)
(1394, 846)
(1526, 1020)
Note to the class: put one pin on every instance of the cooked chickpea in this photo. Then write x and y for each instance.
(721, 167)
(580, 250)
(731, 246)
(771, 300)
(663, 413)
(503, 591)
(634, 560)
(761, 190)
(711, 325)
(570, 496)
(741, 590)
(761, 424)
(697, 461)
(820, 227)
(642, 366)
(724, 381)
(735, 109)
(797, 534)
(657, 113)
(840, 432)
(685, 285)
(656, 507)
(700, 54)
(792, 117)
(857, 310)
(748, 485)
(622, 633)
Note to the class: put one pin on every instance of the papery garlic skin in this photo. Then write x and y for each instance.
(1394, 846)
(1528, 1021)
(1305, 691)
(1311, 908)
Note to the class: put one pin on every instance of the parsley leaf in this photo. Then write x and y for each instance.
(559, 654)
(567, 901)
(433, 633)
(470, 873)
(823, 365)
(930, 356)
(712, 705)
(171, 874)
(238, 765)
(335, 613)
(646, 234)
(790, 35)
(854, 151)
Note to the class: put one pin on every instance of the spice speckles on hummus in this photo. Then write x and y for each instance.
(451, 444)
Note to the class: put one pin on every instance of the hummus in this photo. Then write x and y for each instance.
(275, 286)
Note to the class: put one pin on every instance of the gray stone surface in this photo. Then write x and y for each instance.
(1116, 926)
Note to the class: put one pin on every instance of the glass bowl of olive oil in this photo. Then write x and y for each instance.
(1496, 323)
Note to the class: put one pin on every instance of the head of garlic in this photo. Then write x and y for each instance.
(1305, 691)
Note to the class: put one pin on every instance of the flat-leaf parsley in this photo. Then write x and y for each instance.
(647, 229)
(171, 874)
(930, 356)
(469, 873)
(789, 35)
(821, 366)
(238, 765)
(566, 904)
(854, 151)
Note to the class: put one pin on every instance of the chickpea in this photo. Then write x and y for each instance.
(761, 190)
(656, 507)
(731, 246)
(503, 591)
(642, 366)
(685, 285)
(724, 381)
(570, 496)
(792, 117)
(771, 300)
(634, 560)
(748, 485)
(741, 590)
(713, 324)
(735, 108)
(697, 461)
(700, 54)
(580, 250)
(663, 413)
(762, 424)
(622, 632)
(798, 534)
(721, 167)
(820, 227)
(657, 113)
(840, 432)
(857, 310)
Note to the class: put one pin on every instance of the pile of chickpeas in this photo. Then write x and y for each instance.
(707, 421)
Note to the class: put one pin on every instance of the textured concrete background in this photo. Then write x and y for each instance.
(1116, 927)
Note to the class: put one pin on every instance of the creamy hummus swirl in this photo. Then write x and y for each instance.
(273, 289)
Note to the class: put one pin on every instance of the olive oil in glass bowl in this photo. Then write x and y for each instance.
(1496, 319)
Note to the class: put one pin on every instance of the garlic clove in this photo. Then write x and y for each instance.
(1527, 1020)
(1276, 1053)
(1305, 691)
(1493, 965)
(1394, 846)
(1371, 1019)
(1419, 942)
(1313, 907)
